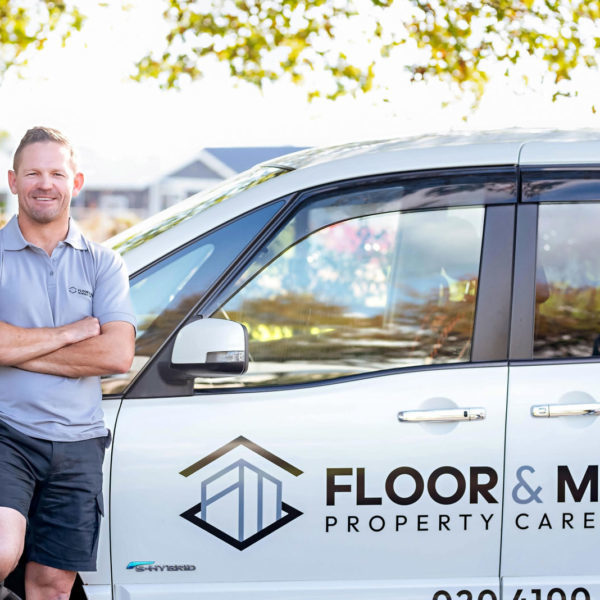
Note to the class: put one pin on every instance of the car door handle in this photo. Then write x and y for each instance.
(565, 410)
(442, 415)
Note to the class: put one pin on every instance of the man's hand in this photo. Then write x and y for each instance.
(20, 344)
(81, 330)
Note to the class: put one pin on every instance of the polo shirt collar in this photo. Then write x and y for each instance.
(14, 240)
(75, 237)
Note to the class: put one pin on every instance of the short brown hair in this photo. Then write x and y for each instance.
(44, 134)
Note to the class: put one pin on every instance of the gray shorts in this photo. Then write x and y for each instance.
(57, 487)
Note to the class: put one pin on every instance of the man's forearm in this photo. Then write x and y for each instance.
(108, 353)
(70, 361)
(21, 344)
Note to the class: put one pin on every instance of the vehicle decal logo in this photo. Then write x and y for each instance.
(241, 503)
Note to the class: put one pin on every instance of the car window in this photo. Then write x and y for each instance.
(567, 299)
(356, 286)
(188, 209)
(165, 293)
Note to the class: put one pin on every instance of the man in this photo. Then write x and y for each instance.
(65, 319)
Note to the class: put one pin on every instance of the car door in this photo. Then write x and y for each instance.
(362, 452)
(551, 521)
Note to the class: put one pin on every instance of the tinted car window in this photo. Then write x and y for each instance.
(346, 291)
(165, 293)
(567, 314)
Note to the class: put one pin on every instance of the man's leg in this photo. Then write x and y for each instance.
(64, 523)
(47, 583)
(12, 536)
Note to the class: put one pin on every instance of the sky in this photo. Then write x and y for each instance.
(132, 131)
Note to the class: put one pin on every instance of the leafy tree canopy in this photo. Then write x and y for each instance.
(312, 41)
(26, 25)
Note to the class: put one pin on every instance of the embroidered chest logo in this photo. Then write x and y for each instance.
(76, 290)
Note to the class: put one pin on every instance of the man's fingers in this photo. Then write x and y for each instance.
(93, 324)
(90, 327)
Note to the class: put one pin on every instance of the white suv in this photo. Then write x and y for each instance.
(410, 408)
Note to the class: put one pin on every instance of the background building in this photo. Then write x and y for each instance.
(146, 192)
(116, 194)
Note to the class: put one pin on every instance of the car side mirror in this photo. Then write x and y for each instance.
(211, 348)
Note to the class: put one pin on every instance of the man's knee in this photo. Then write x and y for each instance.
(12, 536)
(47, 583)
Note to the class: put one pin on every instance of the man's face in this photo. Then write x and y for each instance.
(45, 181)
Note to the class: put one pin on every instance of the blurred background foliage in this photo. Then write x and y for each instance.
(27, 25)
(310, 41)
(332, 48)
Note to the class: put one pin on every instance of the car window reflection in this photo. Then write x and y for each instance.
(363, 294)
(567, 317)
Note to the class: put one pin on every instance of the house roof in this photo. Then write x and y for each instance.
(244, 157)
(142, 170)
(196, 169)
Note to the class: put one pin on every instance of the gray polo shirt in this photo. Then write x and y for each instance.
(80, 279)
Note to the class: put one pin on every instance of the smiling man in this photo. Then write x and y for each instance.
(65, 319)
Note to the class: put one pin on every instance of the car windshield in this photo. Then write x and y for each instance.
(163, 221)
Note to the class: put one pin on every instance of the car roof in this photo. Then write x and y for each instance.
(162, 233)
(513, 146)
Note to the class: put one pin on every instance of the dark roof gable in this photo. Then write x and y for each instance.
(244, 157)
(196, 169)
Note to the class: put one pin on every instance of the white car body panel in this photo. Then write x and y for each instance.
(102, 575)
(314, 429)
(353, 424)
(550, 547)
(98, 592)
(555, 153)
(331, 590)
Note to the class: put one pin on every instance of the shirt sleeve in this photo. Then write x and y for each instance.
(111, 301)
